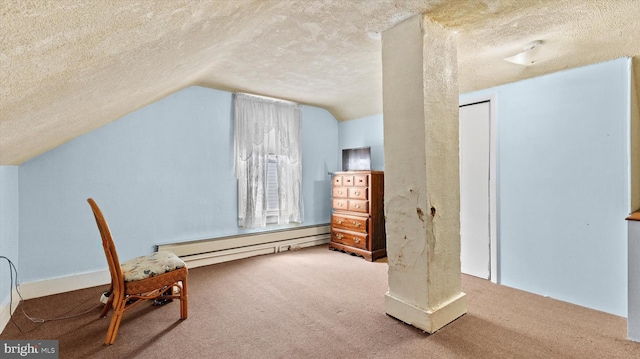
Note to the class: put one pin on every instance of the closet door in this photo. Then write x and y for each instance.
(475, 250)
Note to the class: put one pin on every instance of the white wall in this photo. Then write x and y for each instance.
(633, 319)
(634, 138)
(161, 174)
(563, 184)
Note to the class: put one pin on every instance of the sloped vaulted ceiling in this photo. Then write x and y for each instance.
(70, 66)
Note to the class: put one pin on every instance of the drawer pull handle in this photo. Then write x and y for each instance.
(357, 206)
(357, 224)
(338, 221)
(339, 236)
(339, 192)
(356, 240)
(356, 193)
(339, 204)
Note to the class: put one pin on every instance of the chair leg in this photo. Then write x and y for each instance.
(115, 322)
(107, 307)
(184, 301)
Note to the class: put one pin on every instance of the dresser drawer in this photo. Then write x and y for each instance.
(358, 192)
(357, 224)
(358, 206)
(358, 240)
(342, 180)
(361, 180)
(340, 192)
(347, 180)
(340, 204)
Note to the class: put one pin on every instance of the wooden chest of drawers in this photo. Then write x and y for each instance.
(357, 221)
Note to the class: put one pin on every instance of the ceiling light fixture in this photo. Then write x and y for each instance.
(526, 57)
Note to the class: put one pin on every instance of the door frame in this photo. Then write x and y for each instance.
(494, 253)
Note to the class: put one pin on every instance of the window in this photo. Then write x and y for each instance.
(268, 161)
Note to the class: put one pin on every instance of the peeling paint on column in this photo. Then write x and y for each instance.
(410, 246)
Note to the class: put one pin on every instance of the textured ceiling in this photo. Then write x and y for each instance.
(70, 66)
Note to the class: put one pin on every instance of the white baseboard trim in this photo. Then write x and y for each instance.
(64, 284)
(5, 311)
(4, 316)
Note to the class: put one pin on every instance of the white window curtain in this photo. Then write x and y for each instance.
(264, 127)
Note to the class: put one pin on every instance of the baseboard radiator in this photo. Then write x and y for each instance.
(217, 250)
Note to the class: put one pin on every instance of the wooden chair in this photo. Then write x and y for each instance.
(143, 278)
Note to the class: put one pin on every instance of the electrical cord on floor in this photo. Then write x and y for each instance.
(39, 321)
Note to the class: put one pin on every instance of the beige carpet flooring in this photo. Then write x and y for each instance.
(316, 303)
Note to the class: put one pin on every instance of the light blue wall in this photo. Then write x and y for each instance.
(364, 132)
(564, 184)
(8, 229)
(161, 174)
(319, 145)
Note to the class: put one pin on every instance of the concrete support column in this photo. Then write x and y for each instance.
(422, 186)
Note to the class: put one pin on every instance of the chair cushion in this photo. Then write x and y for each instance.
(151, 265)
